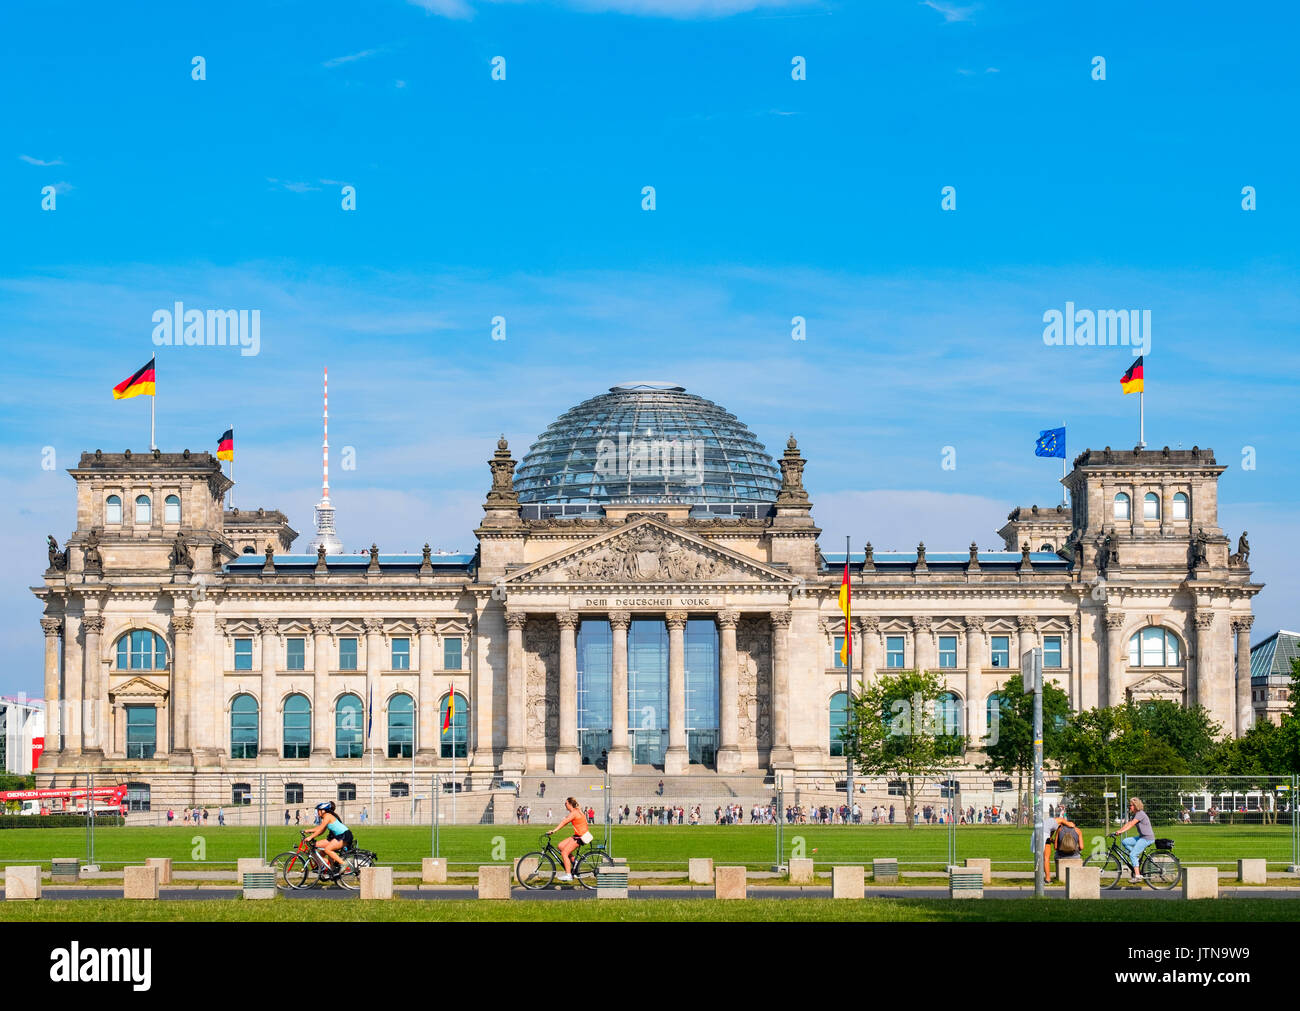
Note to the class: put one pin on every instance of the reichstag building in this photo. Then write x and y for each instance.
(648, 592)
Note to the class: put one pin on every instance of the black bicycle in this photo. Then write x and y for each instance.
(538, 869)
(1158, 865)
(308, 867)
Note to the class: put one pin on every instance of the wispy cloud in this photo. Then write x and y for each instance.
(951, 12)
(36, 161)
(292, 187)
(446, 8)
(350, 58)
(642, 8)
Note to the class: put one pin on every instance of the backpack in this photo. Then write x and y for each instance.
(1067, 840)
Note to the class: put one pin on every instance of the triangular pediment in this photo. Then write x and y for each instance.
(647, 552)
(1156, 686)
(138, 688)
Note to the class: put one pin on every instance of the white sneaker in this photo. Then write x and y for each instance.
(564, 877)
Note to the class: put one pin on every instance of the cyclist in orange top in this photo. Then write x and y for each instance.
(581, 833)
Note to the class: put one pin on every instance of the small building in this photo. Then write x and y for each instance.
(22, 734)
(1270, 675)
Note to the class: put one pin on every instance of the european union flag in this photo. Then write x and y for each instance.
(1051, 443)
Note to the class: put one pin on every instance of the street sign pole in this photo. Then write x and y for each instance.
(1031, 670)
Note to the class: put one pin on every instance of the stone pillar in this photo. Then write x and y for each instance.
(869, 641)
(677, 758)
(53, 628)
(620, 756)
(1028, 626)
(70, 717)
(320, 700)
(975, 730)
(515, 758)
(1112, 686)
(782, 755)
(374, 662)
(1204, 669)
(568, 760)
(94, 700)
(182, 697)
(427, 725)
(728, 694)
(268, 708)
(922, 643)
(1245, 712)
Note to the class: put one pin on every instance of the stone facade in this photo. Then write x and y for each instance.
(1140, 549)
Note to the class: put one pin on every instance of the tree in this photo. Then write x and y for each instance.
(894, 732)
(1011, 741)
(1188, 730)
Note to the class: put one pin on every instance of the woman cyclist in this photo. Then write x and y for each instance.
(581, 833)
(338, 837)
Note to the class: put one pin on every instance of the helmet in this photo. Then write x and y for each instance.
(328, 806)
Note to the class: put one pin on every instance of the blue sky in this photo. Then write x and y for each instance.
(774, 198)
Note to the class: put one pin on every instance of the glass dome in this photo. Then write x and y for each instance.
(647, 442)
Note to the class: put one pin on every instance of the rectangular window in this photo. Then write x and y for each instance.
(451, 654)
(1001, 651)
(1051, 651)
(293, 793)
(399, 789)
(947, 651)
(348, 653)
(141, 731)
(295, 656)
(401, 654)
(347, 791)
(241, 794)
(894, 651)
(839, 651)
(243, 654)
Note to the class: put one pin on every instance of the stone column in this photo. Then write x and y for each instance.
(1245, 710)
(869, 640)
(728, 694)
(94, 700)
(321, 738)
(1076, 663)
(70, 716)
(427, 724)
(677, 759)
(53, 628)
(1204, 647)
(1116, 660)
(374, 661)
(568, 760)
(782, 755)
(182, 697)
(620, 756)
(1028, 626)
(268, 708)
(515, 758)
(922, 643)
(975, 730)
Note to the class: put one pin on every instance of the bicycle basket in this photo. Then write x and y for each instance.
(1165, 845)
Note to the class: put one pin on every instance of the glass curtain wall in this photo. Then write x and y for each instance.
(647, 690)
(595, 697)
(702, 691)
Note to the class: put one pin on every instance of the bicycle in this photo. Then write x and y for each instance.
(1158, 865)
(538, 869)
(297, 866)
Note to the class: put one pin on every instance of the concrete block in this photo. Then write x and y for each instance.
(1200, 882)
(494, 881)
(1082, 882)
(611, 880)
(1252, 872)
(884, 871)
(701, 870)
(433, 871)
(730, 883)
(246, 864)
(965, 883)
(801, 871)
(140, 882)
(984, 865)
(1064, 864)
(377, 882)
(848, 882)
(23, 882)
(64, 869)
(259, 884)
(164, 865)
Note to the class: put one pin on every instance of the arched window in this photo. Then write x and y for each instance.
(401, 726)
(113, 509)
(839, 721)
(455, 737)
(297, 727)
(243, 727)
(172, 509)
(1153, 647)
(1150, 506)
(347, 727)
(143, 509)
(141, 649)
(993, 710)
(1121, 506)
(1181, 510)
(947, 715)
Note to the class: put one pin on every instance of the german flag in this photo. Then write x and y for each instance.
(846, 594)
(1132, 379)
(451, 712)
(140, 382)
(226, 445)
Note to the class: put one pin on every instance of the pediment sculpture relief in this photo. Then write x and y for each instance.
(648, 556)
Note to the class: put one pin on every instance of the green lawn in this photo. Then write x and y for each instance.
(645, 847)
(634, 910)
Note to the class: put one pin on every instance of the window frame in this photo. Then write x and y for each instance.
(394, 654)
(246, 655)
(301, 749)
(952, 653)
(110, 503)
(141, 750)
(354, 653)
(400, 748)
(1004, 651)
(460, 652)
(169, 502)
(1127, 501)
(1060, 647)
(256, 714)
(147, 503)
(300, 655)
(1181, 498)
(1151, 506)
(901, 652)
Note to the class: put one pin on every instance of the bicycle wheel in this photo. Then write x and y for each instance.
(278, 864)
(1162, 870)
(295, 869)
(535, 870)
(350, 874)
(585, 870)
(1112, 869)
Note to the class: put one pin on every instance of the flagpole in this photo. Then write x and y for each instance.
(232, 465)
(1142, 415)
(152, 401)
(848, 691)
(1064, 473)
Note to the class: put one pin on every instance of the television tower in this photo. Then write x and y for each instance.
(325, 534)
